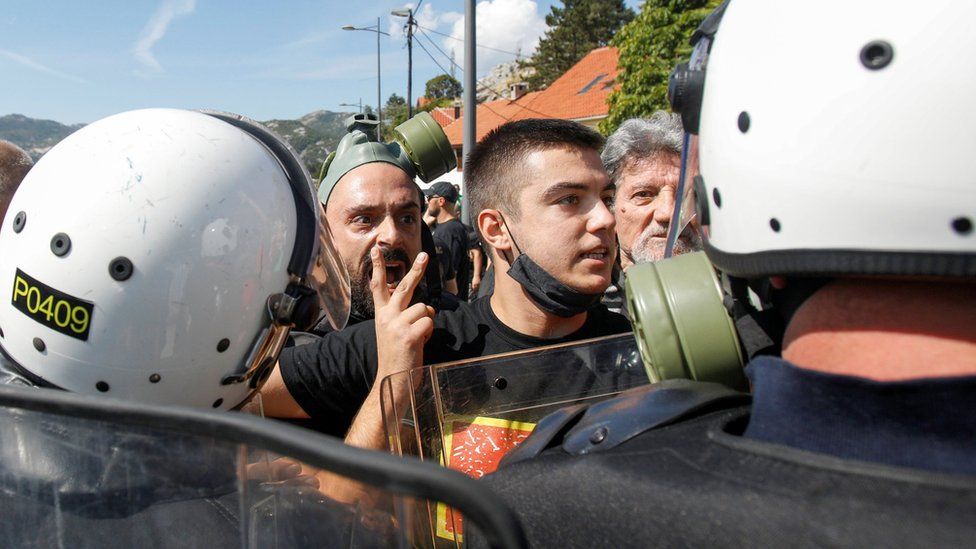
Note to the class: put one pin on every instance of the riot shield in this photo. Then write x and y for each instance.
(466, 415)
(79, 471)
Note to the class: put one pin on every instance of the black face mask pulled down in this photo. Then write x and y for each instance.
(551, 295)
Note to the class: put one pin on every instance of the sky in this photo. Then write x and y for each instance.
(76, 62)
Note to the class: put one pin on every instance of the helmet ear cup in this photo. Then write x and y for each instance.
(685, 90)
(307, 310)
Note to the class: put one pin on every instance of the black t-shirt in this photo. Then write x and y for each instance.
(475, 243)
(331, 377)
(451, 239)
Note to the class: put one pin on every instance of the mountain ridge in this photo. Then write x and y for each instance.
(313, 135)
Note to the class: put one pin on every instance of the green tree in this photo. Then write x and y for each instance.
(574, 30)
(394, 114)
(650, 46)
(442, 87)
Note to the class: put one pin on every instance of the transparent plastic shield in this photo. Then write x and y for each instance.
(684, 231)
(85, 472)
(328, 278)
(467, 415)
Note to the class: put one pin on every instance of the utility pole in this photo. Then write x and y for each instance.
(379, 94)
(470, 106)
(408, 13)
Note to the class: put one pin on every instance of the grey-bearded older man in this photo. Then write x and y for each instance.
(643, 158)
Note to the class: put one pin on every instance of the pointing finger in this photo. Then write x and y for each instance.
(377, 281)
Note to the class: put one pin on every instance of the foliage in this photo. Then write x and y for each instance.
(650, 46)
(442, 87)
(394, 114)
(574, 30)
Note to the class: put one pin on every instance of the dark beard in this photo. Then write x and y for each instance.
(361, 296)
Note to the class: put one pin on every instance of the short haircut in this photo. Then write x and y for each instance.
(492, 172)
(14, 165)
(640, 138)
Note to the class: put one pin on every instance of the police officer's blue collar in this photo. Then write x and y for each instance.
(925, 424)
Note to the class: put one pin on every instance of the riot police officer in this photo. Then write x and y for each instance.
(830, 155)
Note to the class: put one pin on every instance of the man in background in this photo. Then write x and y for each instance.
(450, 238)
(643, 158)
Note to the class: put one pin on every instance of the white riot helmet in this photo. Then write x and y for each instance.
(833, 144)
(162, 255)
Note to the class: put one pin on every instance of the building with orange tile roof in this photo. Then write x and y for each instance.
(580, 94)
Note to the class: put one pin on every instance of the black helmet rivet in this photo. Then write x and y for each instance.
(39, 344)
(962, 225)
(120, 268)
(877, 55)
(222, 345)
(155, 378)
(218, 402)
(500, 383)
(102, 387)
(599, 435)
(716, 197)
(19, 221)
(774, 224)
(743, 122)
(60, 244)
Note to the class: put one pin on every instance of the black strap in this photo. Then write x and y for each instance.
(584, 429)
(432, 275)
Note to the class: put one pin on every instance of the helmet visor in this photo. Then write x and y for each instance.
(329, 279)
(684, 232)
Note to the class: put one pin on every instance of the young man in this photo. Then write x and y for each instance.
(541, 193)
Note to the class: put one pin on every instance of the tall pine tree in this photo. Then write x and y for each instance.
(650, 46)
(575, 29)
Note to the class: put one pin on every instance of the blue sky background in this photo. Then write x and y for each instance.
(74, 61)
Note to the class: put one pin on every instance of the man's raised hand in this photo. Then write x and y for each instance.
(401, 328)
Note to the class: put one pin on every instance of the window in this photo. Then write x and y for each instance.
(592, 83)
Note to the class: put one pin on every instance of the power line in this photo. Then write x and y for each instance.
(421, 44)
(480, 83)
(516, 54)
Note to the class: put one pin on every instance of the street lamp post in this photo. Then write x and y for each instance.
(379, 94)
(408, 13)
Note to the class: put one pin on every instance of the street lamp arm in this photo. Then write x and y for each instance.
(372, 28)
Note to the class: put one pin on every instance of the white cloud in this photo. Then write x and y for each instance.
(156, 28)
(510, 25)
(34, 65)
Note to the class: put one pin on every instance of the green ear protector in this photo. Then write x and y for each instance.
(419, 148)
(690, 324)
